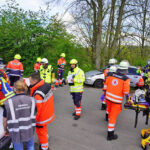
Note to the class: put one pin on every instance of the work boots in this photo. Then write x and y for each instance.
(111, 136)
(76, 117)
(42, 149)
(103, 107)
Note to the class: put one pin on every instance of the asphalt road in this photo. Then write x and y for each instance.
(90, 131)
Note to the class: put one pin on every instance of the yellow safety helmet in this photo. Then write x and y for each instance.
(62, 55)
(17, 56)
(73, 61)
(38, 59)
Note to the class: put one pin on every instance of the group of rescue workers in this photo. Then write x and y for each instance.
(23, 113)
(116, 86)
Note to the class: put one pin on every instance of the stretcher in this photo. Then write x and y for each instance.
(140, 105)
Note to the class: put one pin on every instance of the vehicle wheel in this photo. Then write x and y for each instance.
(98, 83)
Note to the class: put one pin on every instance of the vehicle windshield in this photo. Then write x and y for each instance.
(132, 71)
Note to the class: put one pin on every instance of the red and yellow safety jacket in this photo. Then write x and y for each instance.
(15, 68)
(61, 63)
(140, 83)
(116, 86)
(42, 92)
(37, 66)
(3, 74)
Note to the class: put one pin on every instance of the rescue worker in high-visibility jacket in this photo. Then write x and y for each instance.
(76, 78)
(111, 70)
(14, 69)
(37, 65)
(116, 86)
(46, 71)
(19, 117)
(112, 62)
(61, 68)
(5, 90)
(43, 94)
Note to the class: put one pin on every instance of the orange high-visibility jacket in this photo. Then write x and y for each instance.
(44, 101)
(61, 62)
(37, 66)
(106, 72)
(141, 82)
(15, 68)
(116, 86)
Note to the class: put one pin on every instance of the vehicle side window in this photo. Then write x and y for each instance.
(132, 71)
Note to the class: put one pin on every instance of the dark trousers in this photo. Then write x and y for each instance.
(60, 74)
(13, 79)
(77, 98)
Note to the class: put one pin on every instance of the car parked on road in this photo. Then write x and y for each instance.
(96, 77)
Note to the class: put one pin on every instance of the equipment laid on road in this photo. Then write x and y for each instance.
(140, 101)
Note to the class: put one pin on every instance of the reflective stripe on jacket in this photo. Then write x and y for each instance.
(116, 86)
(44, 101)
(15, 68)
(46, 74)
(21, 117)
(79, 78)
(6, 91)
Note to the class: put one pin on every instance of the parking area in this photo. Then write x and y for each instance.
(90, 131)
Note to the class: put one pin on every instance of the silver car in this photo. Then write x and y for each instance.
(96, 77)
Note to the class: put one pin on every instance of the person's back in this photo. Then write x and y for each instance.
(117, 85)
(20, 114)
(22, 122)
(15, 68)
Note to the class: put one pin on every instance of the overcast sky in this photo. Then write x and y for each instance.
(34, 5)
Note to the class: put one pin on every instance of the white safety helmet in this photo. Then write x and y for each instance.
(44, 61)
(124, 65)
(113, 69)
(112, 61)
